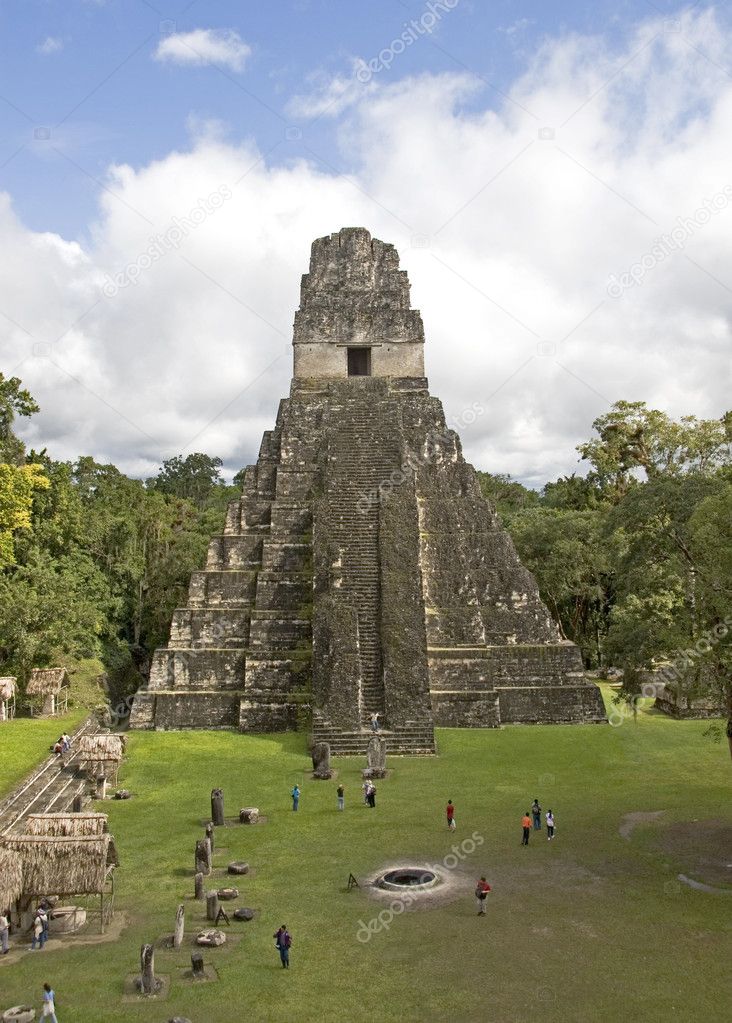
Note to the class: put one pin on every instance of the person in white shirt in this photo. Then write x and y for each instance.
(549, 825)
(4, 932)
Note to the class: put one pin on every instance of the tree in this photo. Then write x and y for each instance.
(192, 478)
(635, 441)
(18, 484)
(14, 401)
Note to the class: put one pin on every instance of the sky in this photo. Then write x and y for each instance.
(556, 179)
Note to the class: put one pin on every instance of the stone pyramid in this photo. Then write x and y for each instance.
(362, 571)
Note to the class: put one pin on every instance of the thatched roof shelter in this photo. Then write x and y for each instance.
(7, 687)
(47, 681)
(64, 866)
(66, 825)
(98, 748)
(11, 877)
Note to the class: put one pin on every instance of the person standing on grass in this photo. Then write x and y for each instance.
(536, 814)
(341, 793)
(481, 894)
(450, 811)
(366, 786)
(526, 825)
(4, 933)
(39, 937)
(371, 796)
(549, 825)
(283, 941)
(295, 797)
(49, 1004)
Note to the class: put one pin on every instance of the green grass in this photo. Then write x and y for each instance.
(25, 742)
(589, 927)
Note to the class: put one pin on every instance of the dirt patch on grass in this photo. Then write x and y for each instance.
(703, 850)
(631, 820)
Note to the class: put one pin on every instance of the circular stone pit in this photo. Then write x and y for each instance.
(412, 879)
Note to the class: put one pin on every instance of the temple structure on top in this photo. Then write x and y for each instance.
(362, 571)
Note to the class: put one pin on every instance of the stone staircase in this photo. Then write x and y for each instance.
(362, 455)
(412, 739)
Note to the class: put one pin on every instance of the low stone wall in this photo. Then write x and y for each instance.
(466, 708)
(196, 710)
(580, 704)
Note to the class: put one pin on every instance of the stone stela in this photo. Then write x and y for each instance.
(362, 571)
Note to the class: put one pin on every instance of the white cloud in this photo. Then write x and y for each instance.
(509, 239)
(330, 95)
(205, 46)
(51, 44)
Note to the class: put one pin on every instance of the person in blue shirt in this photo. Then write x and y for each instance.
(49, 1004)
(295, 797)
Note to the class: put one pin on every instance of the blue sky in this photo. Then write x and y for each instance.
(556, 179)
(84, 70)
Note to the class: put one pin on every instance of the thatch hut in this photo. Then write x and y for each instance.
(8, 685)
(11, 878)
(66, 825)
(52, 686)
(66, 867)
(101, 754)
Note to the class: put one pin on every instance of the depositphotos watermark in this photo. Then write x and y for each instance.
(383, 920)
(161, 244)
(413, 30)
(667, 244)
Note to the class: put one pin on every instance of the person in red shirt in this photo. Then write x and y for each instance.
(526, 825)
(481, 894)
(450, 815)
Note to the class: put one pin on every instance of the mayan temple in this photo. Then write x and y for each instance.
(362, 570)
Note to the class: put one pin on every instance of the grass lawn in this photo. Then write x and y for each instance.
(25, 742)
(591, 926)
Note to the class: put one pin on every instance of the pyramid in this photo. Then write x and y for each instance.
(362, 571)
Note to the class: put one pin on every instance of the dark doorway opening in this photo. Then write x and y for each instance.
(359, 362)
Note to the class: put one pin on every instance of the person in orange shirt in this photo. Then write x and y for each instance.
(526, 825)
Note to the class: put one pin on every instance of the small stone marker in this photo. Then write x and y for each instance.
(238, 867)
(180, 920)
(212, 905)
(197, 966)
(249, 815)
(217, 807)
(122, 794)
(203, 857)
(210, 835)
(243, 914)
(211, 938)
(148, 982)
(227, 894)
(198, 893)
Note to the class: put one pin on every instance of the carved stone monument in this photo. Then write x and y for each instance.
(321, 761)
(375, 758)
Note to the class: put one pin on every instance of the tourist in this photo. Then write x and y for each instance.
(536, 814)
(283, 941)
(65, 742)
(341, 793)
(371, 795)
(58, 746)
(295, 797)
(43, 911)
(4, 933)
(366, 786)
(375, 722)
(39, 933)
(526, 825)
(49, 1004)
(450, 815)
(481, 894)
(549, 825)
